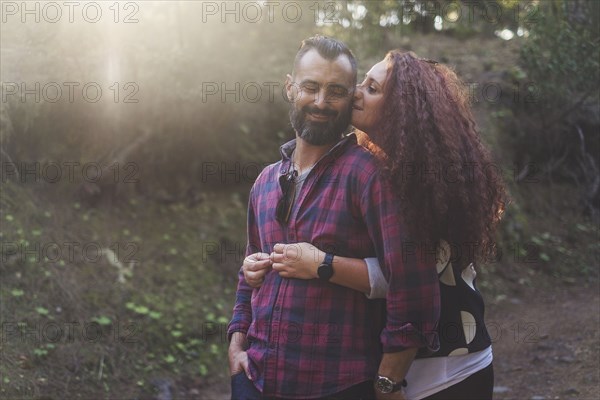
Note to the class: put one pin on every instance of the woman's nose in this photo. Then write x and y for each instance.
(357, 92)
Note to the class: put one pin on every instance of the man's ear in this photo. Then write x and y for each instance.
(291, 89)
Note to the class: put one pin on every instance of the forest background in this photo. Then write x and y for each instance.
(132, 131)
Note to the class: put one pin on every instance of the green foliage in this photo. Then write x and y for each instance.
(372, 28)
(103, 320)
(562, 55)
(561, 259)
(72, 316)
(555, 119)
(41, 311)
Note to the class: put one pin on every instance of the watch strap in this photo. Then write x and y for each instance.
(396, 386)
(325, 270)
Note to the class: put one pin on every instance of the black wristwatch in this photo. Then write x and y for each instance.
(385, 385)
(325, 270)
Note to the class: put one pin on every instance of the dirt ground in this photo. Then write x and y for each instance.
(546, 343)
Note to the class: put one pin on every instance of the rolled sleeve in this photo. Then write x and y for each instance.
(413, 302)
(413, 299)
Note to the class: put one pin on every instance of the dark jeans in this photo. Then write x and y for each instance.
(479, 386)
(243, 389)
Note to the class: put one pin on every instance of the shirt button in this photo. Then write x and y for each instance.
(277, 308)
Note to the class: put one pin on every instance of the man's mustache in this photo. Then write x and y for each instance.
(318, 111)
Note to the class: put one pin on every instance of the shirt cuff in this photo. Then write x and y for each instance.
(236, 326)
(379, 286)
(408, 336)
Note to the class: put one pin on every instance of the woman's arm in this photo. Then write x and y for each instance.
(379, 285)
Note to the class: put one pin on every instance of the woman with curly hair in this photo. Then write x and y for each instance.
(413, 114)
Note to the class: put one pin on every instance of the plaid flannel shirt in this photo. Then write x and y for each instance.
(309, 338)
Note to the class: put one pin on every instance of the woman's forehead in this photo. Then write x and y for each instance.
(378, 72)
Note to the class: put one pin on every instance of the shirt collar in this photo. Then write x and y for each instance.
(287, 149)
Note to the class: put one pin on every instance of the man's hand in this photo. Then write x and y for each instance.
(238, 362)
(255, 267)
(395, 366)
(238, 358)
(399, 395)
(297, 260)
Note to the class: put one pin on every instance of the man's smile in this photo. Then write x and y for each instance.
(319, 116)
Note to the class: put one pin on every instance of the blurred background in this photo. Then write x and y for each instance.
(131, 132)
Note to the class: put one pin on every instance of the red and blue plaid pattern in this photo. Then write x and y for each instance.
(310, 338)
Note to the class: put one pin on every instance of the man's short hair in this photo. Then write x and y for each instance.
(328, 48)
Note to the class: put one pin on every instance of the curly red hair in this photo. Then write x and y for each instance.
(431, 151)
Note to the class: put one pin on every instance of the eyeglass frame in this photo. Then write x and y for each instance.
(329, 97)
(287, 183)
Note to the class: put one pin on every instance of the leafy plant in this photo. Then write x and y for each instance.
(557, 117)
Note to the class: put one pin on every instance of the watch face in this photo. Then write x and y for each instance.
(325, 271)
(384, 385)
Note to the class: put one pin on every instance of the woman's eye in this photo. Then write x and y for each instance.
(371, 89)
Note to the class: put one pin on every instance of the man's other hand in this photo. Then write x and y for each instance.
(255, 267)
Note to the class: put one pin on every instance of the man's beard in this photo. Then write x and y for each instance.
(319, 133)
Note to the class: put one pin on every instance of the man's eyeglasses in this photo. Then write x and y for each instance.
(288, 187)
(333, 93)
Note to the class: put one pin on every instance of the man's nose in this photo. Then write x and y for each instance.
(320, 99)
